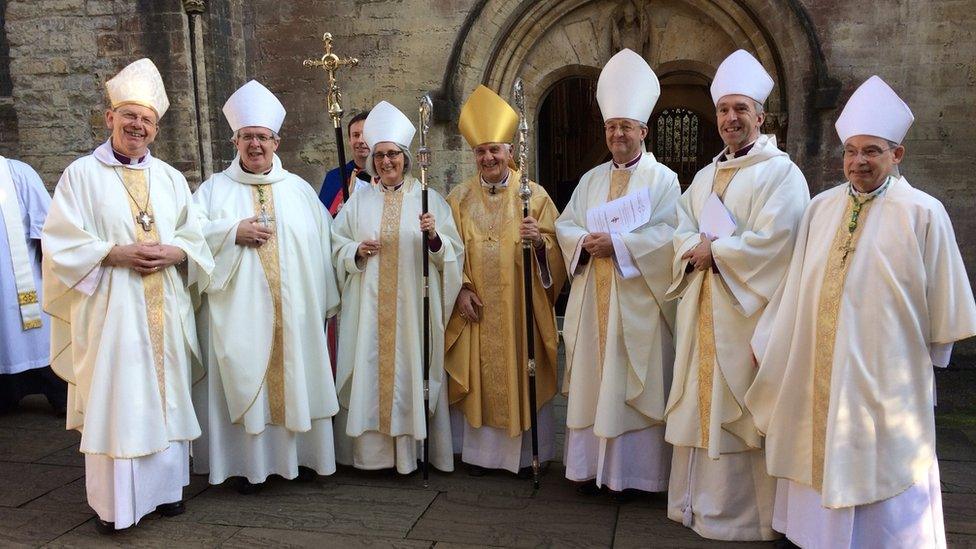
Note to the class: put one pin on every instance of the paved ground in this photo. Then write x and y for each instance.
(42, 500)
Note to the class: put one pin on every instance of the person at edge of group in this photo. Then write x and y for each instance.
(875, 296)
(25, 331)
(123, 250)
(269, 398)
(618, 329)
(485, 341)
(331, 192)
(719, 487)
(377, 251)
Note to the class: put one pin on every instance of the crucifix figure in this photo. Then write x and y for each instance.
(146, 220)
(847, 249)
(331, 63)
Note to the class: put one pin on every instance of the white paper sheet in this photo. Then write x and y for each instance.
(716, 221)
(622, 215)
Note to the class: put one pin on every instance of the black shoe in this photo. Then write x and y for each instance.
(588, 488)
(104, 527)
(524, 473)
(245, 487)
(785, 543)
(306, 474)
(624, 496)
(171, 509)
(476, 471)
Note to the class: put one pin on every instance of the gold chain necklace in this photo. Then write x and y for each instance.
(144, 218)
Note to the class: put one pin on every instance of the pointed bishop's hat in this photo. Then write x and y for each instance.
(875, 109)
(254, 105)
(138, 84)
(741, 74)
(386, 123)
(627, 87)
(487, 118)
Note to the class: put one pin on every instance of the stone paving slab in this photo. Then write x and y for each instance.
(151, 531)
(22, 482)
(318, 506)
(247, 538)
(954, 445)
(26, 446)
(958, 477)
(71, 498)
(959, 511)
(68, 456)
(961, 541)
(515, 522)
(33, 528)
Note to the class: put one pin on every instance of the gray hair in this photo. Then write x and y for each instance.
(407, 161)
(759, 107)
(237, 135)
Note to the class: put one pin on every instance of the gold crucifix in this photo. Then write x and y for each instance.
(331, 63)
(847, 248)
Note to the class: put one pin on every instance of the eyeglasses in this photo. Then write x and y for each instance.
(261, 137)
(625, 128)
(131, 117)
(869, 152)
(392, 155)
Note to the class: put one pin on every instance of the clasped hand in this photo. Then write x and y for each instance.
(144, 257)
(700, 257)
(598, 244)
(252, 233)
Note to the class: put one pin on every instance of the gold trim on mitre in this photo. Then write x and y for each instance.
(139, 83)
(487, 118)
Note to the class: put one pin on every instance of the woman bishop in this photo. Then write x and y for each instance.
(378, 256)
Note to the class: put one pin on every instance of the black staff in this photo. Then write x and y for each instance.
(423, 158)
(525, 192)
(331, 63)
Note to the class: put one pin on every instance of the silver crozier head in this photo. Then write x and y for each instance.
(423, 155)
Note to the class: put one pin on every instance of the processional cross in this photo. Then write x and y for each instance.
(331, 63)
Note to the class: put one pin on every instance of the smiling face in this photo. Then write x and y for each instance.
(492, 160)
(360, 150)
(388, 163)
(738, 120)
(869, 160)
(133, 127)
(257, 146)
(624, 138)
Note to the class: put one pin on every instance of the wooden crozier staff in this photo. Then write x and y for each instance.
(331, 63)
(423, 158)
(525, 192)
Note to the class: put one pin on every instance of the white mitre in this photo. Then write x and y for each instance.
(386, 123)
(138, 84)
(627, 87)
(875, 109)
(254, 105)
(741, 74)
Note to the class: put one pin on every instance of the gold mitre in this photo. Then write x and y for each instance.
(487, 118)
(138, 84)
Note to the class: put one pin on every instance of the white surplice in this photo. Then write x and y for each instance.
(21, 349)
(627, 392)
(766, 197)
(364, 321)
(100, 334)
(241, 438)
(905, 299)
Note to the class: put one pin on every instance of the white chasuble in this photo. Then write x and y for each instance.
(266, 311)
(124, 342)
(618, 333)
(379, 374)
(844, 391)
(718, 486)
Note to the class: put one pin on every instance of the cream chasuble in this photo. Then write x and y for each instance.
(617, 368)
(379, 376)
(486, 360)
(844, 391)
(765, 193)
(268, 305)
(124, 342)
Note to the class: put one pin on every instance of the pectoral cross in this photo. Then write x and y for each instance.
(146, 220)
(847, 249)
(265, 219)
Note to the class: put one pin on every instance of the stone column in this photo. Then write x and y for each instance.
(194, 12)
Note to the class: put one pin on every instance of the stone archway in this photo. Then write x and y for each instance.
(542, 41)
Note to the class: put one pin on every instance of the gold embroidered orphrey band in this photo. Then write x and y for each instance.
(603, 268)
(386, 300)
(263, 200)
(137, 186)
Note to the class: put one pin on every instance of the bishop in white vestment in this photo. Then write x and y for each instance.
(736, 226)
(122, 244)
(875, 296)
(619, 330)
(269, 397)
(378, 255)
